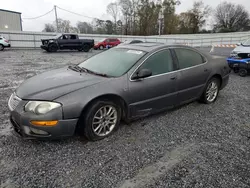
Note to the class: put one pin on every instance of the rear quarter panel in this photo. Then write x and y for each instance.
(219, 66)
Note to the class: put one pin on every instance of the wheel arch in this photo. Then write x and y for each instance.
(218, 76)
(110, 97)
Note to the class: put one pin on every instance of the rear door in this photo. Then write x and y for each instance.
(158, 91)
(194, 71)
(73, 41)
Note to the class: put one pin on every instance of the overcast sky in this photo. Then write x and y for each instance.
(92, 8)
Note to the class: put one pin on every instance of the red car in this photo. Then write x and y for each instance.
(108, 42)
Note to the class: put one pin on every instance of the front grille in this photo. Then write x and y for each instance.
(13, 101)
(244, 55)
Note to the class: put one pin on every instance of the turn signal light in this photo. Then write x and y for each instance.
(44, 123)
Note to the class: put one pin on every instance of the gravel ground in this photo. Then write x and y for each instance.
(196, 145)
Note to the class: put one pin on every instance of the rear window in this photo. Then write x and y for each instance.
(188, 58)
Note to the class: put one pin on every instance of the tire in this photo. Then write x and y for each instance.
(52, 48)
(101, 47)
(86, 48)
(215, 84)
(236, 70)
(86, 121)
(80, 49)
(1, 47)
(243, 72)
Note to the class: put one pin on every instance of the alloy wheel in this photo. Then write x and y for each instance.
(212, 91)
(104, 120)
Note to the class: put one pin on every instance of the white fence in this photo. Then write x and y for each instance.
(33, 39)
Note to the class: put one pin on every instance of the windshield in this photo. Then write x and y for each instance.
(114, 62)
(246, 43)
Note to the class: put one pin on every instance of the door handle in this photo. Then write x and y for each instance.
(205, 70)
(173, 78)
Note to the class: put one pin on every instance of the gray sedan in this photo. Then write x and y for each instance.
(124, 83)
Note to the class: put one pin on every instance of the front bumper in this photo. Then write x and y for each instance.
(45, 47)
(20, 121)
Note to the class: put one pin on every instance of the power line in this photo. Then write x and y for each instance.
(76, 13)
(39, 16)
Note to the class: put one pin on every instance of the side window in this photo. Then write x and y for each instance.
(107, 40)
(64, 37)
(188, 58)
(72, 36)
(159, 63)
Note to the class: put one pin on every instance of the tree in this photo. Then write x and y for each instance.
(230, 17)
(113, 10)
(170, 18)
(148, 13)
(109, 27)
(198, 15)
(63, 26)
(126, 9)
(49, 28)
(185, 21)
(84, 27)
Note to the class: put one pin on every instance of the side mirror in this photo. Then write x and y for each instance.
(143, 73)
(239, 44)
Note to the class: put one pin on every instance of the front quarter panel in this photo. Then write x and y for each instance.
(74, 102)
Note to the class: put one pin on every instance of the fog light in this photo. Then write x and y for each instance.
(44, 123)
(36, 131)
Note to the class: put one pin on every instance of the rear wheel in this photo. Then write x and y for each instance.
(86, 48)
(100, 120)
(1, 47)
(211, 91)
(243, 72)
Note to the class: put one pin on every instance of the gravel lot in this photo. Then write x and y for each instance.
(196, 145)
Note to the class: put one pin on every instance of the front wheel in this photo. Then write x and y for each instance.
(101, 119)
(211, 91)
(52, 48)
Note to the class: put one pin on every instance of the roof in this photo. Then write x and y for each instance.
(148, 46)
(10, 11)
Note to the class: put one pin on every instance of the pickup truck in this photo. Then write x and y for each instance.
(67, 41)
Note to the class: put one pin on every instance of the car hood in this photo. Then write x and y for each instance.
(242, 49)
(53, 84)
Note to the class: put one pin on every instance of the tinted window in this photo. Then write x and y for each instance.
(113, 62)
(188, 58)
(159, 63)
(72, 36)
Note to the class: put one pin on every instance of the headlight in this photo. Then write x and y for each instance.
(51, 40)
(40, 107)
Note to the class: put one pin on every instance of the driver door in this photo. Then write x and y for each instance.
(63, 41)
(158, 91)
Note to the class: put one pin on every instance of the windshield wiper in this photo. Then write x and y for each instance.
(82, 69)
(75, 68)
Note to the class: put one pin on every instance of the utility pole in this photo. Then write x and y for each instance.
(160, 18)
(56, 19)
